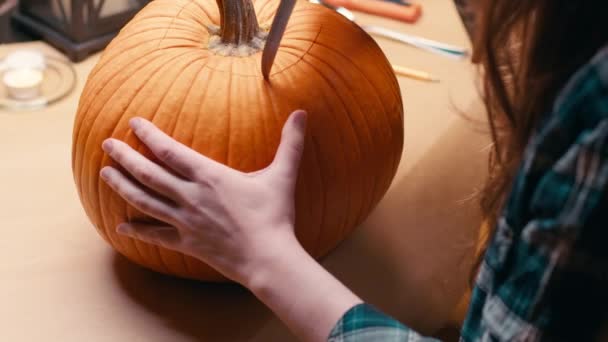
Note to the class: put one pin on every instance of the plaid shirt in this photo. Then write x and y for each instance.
(545, 274)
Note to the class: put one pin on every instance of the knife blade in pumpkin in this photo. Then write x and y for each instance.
(273, 41)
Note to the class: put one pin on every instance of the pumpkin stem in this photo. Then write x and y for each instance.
(239, 33)
(239, 24)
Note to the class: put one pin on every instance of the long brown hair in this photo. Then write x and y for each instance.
(527, 50)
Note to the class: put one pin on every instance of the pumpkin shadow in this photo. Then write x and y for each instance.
(203, 311)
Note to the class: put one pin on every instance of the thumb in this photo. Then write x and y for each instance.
(289, 153)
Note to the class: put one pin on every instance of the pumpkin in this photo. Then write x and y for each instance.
(193, 67)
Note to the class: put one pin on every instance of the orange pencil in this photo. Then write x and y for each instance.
(410, 13)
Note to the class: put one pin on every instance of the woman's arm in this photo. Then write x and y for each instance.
(307, 298)
(242, 224)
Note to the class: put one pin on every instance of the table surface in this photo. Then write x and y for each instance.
(60, 281)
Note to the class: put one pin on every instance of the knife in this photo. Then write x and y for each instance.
(273, 41)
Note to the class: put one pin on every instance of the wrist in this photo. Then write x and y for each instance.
(307, 298)
(272, 259)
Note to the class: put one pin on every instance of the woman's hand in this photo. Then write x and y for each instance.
(240, 224)
(233, 221)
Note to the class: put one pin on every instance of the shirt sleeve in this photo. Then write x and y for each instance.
(545, 275)
(364, 323)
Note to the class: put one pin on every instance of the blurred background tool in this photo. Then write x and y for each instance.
(409, 13)
(419, 42)
(416, 41)
(414, 74)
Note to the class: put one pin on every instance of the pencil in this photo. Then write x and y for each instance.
(415, 74)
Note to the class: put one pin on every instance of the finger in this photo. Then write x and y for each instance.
(145, 171)
(136, 196)
(163, 236)
(290, 149)
(177, 156)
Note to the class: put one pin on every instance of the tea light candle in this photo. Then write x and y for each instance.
(21, 59)
(23, 83)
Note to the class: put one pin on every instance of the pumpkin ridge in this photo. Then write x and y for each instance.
(168, 28)
(107, 59)
(322, 226)
(199, 72)
(174, 29)
(367, 126)
(375, 91)
(314, 152)
(143, 29)
(172, 22)
(304, 13)
(185, 25)
(317, 146)
(280, 116)
(151, 119)
(86, 145)
(266, 98)
(194, 14)
(104, 157)
(176, 121)
(201, 112)
(92, 85)
(258, 140)
(263, 8)
(229, 119)
(181, 109)
(84, 135)
(345, 110)
(301, 28)
(209, 16)
(386, 66)
(301, 57)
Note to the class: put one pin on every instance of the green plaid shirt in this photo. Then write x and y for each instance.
(545, 275)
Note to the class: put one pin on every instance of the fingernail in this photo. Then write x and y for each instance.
(135, 123)
(121, 228)
(301, 117)
(105, 173)
(107, 145)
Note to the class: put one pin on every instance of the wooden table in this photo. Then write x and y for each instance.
(59, 281)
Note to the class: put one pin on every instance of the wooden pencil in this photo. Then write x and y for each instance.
(413, 73)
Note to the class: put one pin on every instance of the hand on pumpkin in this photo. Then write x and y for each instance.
(231, 220)
(240, 224)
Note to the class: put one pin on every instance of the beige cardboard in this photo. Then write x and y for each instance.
(60, 282)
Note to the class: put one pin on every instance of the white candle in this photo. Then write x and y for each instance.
(23, 83)
(24, 59)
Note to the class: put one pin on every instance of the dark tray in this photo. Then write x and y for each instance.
(9, 31)
(6, 10)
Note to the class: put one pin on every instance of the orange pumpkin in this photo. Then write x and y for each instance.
(202, 84)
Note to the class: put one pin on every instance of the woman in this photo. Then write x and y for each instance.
(544, 275)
